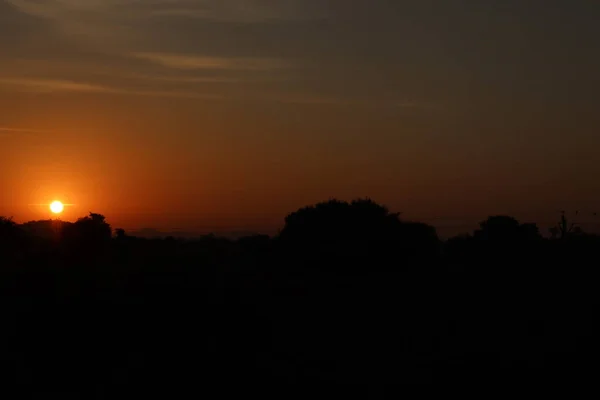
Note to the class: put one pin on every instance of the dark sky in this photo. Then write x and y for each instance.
(226, 114)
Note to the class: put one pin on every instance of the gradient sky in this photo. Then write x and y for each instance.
(227, 114)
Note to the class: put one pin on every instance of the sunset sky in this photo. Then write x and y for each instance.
(204, 115)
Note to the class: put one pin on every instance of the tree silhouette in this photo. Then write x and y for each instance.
(566, 227)
(8, 230)
(120, 234)
(344, 294)
(336, 220)
(344, 235)
(506, 229)
(90, 231)
(7, 226)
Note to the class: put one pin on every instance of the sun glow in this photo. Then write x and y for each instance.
(57, 207)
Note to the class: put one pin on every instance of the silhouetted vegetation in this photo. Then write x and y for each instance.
(347, 293)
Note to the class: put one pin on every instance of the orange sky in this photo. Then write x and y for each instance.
(212, 116)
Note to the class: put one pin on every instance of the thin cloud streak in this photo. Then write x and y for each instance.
(414, 104)
(247, 11)
(23, 130)
(174, 94)
(50, 86)
(189, 79)
(45, 9)
(11, 132)
(193, 62)
(238, 11)
(322, 100)
(182, 12)
(59, 68)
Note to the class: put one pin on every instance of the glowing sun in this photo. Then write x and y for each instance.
(57, 207)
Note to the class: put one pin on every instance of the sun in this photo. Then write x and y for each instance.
(57, 207)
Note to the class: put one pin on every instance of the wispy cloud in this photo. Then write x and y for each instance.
(309, 99)
(328, 100)
(248, 11)
(189, 79)
(200, 13)
(52, 85)
(226, 10)
(105, 23)
(175, 94)
(284, 97)
(408, 104)
(39, 9)
(23, 130)
(192, 62)
(418, 105)
(109, 70)
(9, 132)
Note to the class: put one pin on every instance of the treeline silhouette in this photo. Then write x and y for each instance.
(347, 293)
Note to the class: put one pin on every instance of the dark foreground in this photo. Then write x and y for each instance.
(348, 299)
